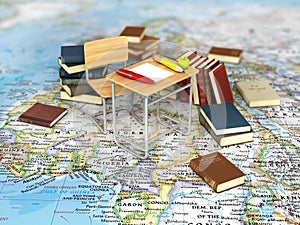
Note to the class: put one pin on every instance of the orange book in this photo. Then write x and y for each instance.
(217, 171)
(43, 115)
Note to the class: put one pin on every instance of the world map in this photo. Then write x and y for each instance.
(75, 174)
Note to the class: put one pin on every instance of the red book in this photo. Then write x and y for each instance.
(220, 84)
(43, 114)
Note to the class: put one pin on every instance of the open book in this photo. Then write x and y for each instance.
(151, 71)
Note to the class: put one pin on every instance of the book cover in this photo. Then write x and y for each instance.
(227, 139)
(258, 93)
(134, 33)
(220, 84)
(224, 118)
(72, 54)
(43, 114)
(217, 171)
(230, 55)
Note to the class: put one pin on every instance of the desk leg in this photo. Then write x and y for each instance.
(190, 105)
(146, 124)
(114, 125)
(113, 110)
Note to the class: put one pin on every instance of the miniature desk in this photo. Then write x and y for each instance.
(146, 90)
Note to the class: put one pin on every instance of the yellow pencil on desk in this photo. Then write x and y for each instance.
(167, 62)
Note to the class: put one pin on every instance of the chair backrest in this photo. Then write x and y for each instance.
(105, 51)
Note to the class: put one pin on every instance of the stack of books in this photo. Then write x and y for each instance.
(72, 76)
(140, 45)
(212, 92)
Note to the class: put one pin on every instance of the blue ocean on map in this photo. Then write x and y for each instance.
(48, 198)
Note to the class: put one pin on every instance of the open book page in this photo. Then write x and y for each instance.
(153, 72)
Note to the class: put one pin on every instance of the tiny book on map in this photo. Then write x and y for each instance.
(227, 139)
(43, 114)
(230, 55)
(217, 171)
(134, 33)
(258, 93)
(224, 118)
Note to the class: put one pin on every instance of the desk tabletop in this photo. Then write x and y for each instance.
(149, 89)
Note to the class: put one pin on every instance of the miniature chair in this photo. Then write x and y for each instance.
(102, 52)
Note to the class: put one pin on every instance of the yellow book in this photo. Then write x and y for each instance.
(258, 93)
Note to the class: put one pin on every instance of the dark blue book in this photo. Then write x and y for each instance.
(93, 74)
(73, 54)
(224, 118)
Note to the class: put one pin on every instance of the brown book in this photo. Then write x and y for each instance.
(134, 34)
(230, 55)
(217, 171)
(43, 114)
(227, 139)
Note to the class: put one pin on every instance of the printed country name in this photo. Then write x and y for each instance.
(95, 187)
(31, 179)
(141, 204)
(81, 197)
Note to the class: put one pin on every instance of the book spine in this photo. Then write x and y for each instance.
(73, 59)
(74, 82)
(223, 86)
(201, 89)
(35, 122)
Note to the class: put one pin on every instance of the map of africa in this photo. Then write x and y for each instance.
(74, 174)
